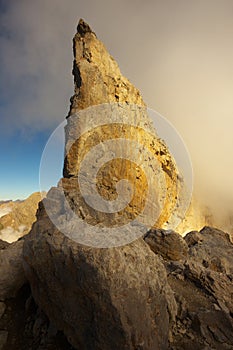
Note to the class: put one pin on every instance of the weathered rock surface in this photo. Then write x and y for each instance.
(106, 107)
(167, 243)
(119, 289)
(97, 76)
(3, 244)
(211, 264)
(100, 298)
(24, 326)
(202, 283)
(12, 275)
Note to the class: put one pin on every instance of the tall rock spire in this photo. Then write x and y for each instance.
(110, 108)
(97, 76)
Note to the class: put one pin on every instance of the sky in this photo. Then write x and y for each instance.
(178, 53)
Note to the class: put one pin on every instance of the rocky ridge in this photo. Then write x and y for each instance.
(17, 217)
(166, 298)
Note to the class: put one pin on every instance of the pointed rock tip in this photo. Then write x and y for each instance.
(83, 28)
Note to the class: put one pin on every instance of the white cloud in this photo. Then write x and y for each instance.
(10, 235)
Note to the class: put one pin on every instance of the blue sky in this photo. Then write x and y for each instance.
(31, 105)
(20, 159)
(178, 53)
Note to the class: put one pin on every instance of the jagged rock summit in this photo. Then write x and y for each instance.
(105, 108)
(97, 76)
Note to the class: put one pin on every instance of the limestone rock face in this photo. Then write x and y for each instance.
(202, 283)
(12, 275)
(169, 244)
(97, 76)
(100, 298)
(211, 264)
(108, 116)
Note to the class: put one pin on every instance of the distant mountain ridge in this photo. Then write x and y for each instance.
(17, 217)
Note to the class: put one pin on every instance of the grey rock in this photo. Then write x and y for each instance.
(203, 289)
(211, 265)
(167, 243)
(12, 275)
(193, 238)
(99, 297)
(215, 326)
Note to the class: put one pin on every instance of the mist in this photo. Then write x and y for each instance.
(178, 53)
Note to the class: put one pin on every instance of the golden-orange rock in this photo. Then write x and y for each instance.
(107, 114)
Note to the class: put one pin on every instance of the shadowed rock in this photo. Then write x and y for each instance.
(12, 275)
(167, 243)
(99, 297)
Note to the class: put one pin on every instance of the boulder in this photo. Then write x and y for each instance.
(211, 264)
(202, 285)
(167, 243)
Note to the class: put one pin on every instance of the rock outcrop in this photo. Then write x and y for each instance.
(99, 297)
(167, 243)
(210, 268)
(12, 276)
(200, 315)
(202, 283)
(108, 116)
(97, 77)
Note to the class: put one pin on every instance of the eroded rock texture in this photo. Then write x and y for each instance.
(12, 275)
(105, 108)
(101, 298)
(97, 76)
(202, 283)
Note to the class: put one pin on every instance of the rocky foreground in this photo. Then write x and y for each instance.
(163, 292)
(159, 291)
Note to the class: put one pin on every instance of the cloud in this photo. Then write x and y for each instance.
(10, 235)
(4, 211)
(178, 53)
(36, 61)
